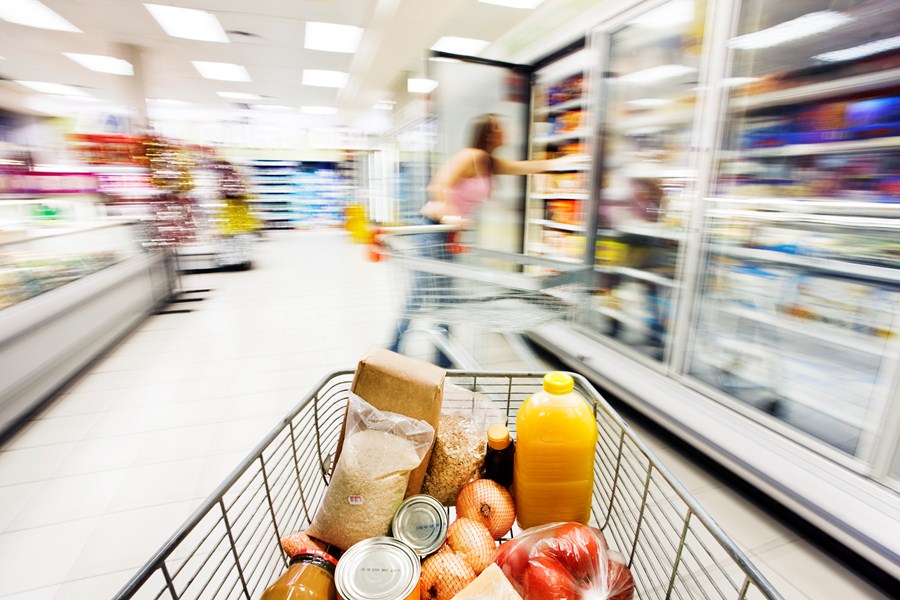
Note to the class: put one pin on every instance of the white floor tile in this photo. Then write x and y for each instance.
(61, 430)
(47, 592)
(32, 464)
(93, 588)
(13, 498)
(79, 403)
(101, 454)
(743, 522)
(159, 483)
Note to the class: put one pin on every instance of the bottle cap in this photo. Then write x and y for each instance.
(498, 437)
(558, 383)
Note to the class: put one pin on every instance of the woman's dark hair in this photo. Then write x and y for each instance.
(482, 127)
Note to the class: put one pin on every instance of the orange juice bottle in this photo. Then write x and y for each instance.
(553, 472)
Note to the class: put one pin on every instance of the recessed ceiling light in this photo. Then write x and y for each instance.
(188, 23)
(528, 4)
(459, 45)
(238, 95)
(657, 73)
(34, 14)
(320, 78)
(803, 26)
(418, 85)
(221, 71)
(384, 105)
(868, 49)
(330, 37)
(318, 110)
(271, 107)
(102, 64)
(53, 88)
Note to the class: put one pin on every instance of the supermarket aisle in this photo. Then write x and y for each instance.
(94, 485)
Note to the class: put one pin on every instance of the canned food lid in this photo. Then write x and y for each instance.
(421, 523)
(379, 568)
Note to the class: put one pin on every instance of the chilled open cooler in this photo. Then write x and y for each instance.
(230, 547)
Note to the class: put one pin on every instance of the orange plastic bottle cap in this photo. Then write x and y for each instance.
(558, 383)
(498, 437)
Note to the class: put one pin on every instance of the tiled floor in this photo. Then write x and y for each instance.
(98, 481)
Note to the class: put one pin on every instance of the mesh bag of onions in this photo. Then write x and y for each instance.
(458, 454)
(567, 561)
(371, 475)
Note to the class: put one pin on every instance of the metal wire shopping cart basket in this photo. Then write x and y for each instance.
(230, 547)
(483, 289)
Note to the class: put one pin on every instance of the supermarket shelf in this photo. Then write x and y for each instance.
(572, 104)
(648, 230)
(620, 316)
(879, 223)
(561, 137)
(549, 252)
(557, 225)
(653, 171)
(825, 89)
(819, 206)
(656, 278)
(812, 263)
(659, 119)
(575, 195)
(866, 344)
(819, 148)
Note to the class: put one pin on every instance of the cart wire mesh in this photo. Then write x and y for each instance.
(501, 291)
(230, 547)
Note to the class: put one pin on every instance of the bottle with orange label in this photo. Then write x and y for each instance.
(556, 438)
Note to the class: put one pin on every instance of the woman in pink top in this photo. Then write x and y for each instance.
(455, 193)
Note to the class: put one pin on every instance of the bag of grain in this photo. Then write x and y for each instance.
(370, 478)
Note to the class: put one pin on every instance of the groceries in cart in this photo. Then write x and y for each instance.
(378, 533)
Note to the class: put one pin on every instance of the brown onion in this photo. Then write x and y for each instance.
(490, 503)
(473, 540)
(444, 575)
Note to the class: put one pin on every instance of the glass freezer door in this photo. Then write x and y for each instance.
(647, 172)
(798, 311)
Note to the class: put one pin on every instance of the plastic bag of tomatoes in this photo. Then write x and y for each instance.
(564, 561)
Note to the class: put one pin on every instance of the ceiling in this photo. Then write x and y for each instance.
(396, 38)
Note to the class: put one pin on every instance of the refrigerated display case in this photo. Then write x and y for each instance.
(745, 228)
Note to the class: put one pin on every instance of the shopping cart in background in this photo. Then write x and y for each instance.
(477, 290)
(230, 547)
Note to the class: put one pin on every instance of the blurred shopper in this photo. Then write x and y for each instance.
(455, 193)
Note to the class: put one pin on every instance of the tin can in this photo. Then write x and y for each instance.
(421, 523)
(381, 568)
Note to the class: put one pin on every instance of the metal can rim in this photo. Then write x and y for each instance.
(346, 567)
(440, 512)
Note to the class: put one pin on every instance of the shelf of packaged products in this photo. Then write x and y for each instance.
(647, 230)
(573, 104)
(802, 218)
(811, 263)
(633, 273)
(565, 136)
(655, 171)
(816, 91)
(620, 316)
(658, 119)
(557, 225)
(550, 252)
(561, 195)
(818, 206)
(878, 143)
(834, 336)
(847, 413)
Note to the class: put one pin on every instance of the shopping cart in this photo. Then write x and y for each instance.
(230, 547)
(479, 289)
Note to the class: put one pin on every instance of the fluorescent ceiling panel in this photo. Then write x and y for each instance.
(526, 4)
(657, 73)
(460, 45)
(804, 26)
(320, 78)
(238, 95)
(166, 102)
(416, 85)
(102, 64)
(330, 37)
(33, 14)
(318, 110)
(221, 71)
(271, 107)
(856, 52)
(188, 23)
(54, 88)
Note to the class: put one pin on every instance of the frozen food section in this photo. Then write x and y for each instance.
(745, 226)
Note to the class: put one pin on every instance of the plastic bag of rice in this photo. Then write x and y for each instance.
(370, 477)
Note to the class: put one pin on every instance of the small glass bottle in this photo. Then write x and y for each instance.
(310, 576)
(498, 459)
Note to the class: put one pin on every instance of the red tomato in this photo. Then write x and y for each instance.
(546, 579)
(619, 581)
(512, 558)
(576, 547)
